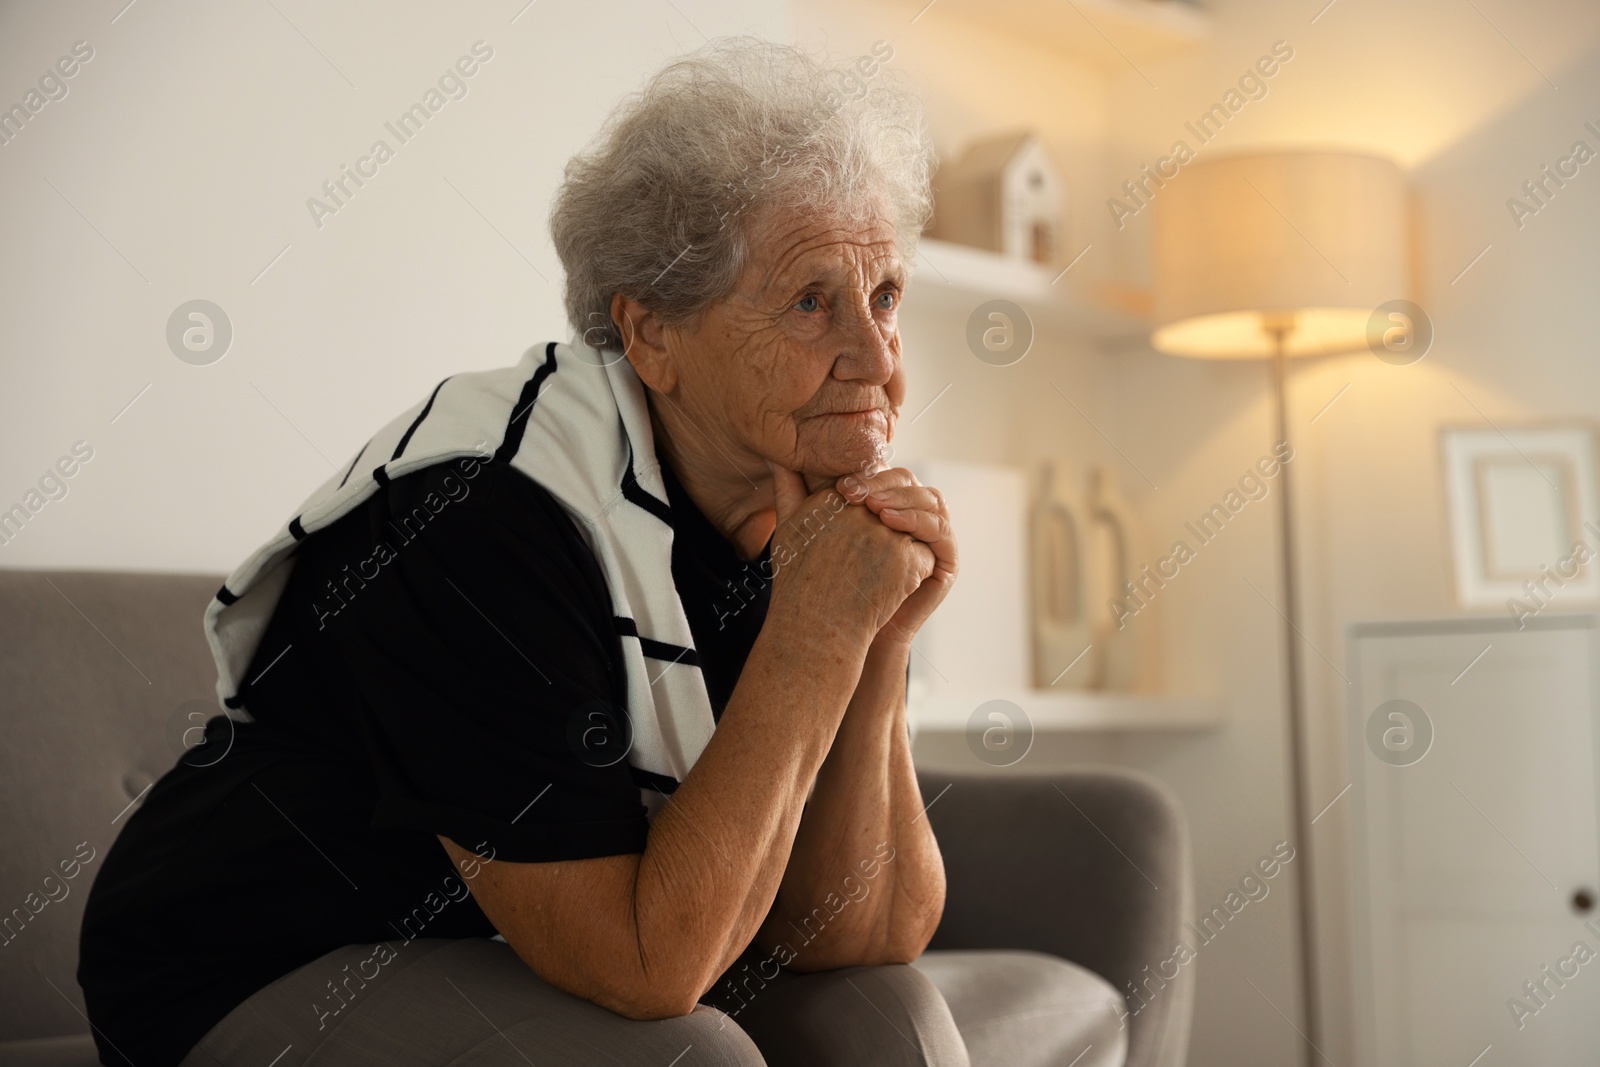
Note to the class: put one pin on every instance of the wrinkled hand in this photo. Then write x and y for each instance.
(840, 568)
(903, 504)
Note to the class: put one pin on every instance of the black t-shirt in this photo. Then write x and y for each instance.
(439, 662)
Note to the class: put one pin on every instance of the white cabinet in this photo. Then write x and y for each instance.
(1476, 866)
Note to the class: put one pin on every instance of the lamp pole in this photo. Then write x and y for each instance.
(1279, 327)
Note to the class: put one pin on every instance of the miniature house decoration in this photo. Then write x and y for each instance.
(1003, 194)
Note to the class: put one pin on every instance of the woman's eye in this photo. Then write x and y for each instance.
(808, 303)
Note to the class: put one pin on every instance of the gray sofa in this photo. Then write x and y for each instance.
(93, 670)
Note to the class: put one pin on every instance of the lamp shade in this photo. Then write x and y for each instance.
(1314, 241)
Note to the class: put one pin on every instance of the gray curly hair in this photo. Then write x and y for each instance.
(661, 205)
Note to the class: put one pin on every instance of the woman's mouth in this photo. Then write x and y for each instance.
(861, 416)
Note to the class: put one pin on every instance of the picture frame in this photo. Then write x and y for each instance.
(1524, 514)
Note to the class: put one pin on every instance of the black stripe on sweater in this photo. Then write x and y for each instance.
(635, 494)
(671, 653)
(656, 649)
(651, 780)
(405, 438)
(519, 414)
(351, 469)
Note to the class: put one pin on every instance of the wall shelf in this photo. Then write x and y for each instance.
(929, 709)
(947, 272)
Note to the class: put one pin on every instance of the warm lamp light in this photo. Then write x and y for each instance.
(1276, 256)
(1311, 331)
(1310, 242)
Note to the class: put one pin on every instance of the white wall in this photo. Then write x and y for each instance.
(190, 144)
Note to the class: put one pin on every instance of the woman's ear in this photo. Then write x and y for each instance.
(644, 343)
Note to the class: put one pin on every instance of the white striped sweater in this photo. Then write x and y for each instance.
(575, 420)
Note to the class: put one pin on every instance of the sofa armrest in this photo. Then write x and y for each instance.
(1091, 865)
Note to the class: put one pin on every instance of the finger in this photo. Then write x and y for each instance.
(929, 527)
(918, 510)
(906, 498)
(788, 492)
(854, 487)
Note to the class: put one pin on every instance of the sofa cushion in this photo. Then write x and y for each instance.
(93, 669)
(1029, 1009)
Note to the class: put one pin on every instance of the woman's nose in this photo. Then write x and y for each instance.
(867, 349)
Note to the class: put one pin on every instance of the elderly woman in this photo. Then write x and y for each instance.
(568, 722)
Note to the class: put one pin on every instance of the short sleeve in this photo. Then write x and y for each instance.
(483, 660)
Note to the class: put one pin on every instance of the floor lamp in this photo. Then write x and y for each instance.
(1276, 256)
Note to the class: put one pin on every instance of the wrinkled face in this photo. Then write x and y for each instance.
(800, 364)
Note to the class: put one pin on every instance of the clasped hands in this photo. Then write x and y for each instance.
(875, 553)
